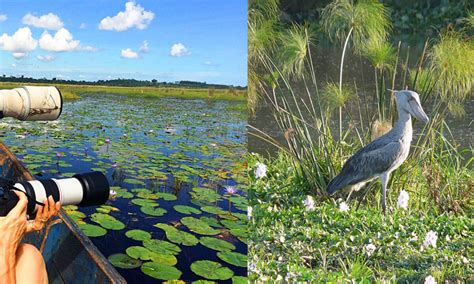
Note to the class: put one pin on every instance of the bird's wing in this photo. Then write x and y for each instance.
(368, 162)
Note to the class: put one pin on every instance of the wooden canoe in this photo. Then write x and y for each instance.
(70, 255)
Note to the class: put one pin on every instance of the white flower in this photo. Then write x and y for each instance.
(369, 249)
(464, 260)
(252, 266)
(282, 238)
(279, 277)
(413, 237)
(309, 203)
(249, 212)
(403, 200)
(261, 170)
(290, 275)
(430, 280)
(430, 239)
(343, 207)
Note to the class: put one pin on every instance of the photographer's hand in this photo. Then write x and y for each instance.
(12, 228)
(43, 214)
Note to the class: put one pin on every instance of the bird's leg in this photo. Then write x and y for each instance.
(384, 177)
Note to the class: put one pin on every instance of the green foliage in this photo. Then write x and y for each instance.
(368, 20)
(325, 244)
(452, 65)
(293, 52)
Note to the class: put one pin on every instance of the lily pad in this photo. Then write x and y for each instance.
(92, 230)
(212, 209)
(124, 261)
(216, 244)
(143, 253)
(153, 211)
(166, 196)
(198, 226)
(161, 271)
(138, 235)
(107, 221)
(211, 270)
(163, 247)
(233, 258)
(178, 236)
(240, 280)
(183, 209)
(144, 202)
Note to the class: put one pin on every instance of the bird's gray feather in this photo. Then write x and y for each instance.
(372, 160)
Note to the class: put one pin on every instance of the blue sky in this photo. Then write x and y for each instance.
(167, 40)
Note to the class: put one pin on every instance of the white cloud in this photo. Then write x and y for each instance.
(19, 55)
(61, 41)
(178, 49)
(3, 18)
(49, 21)
(20, 43)
(128, 53)
(86, 48)
(45, 58)
(133, 16)
(13, 65)
(144, 48)
(83, 26)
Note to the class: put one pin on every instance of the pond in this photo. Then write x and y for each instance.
(177, 168)
(359, 70)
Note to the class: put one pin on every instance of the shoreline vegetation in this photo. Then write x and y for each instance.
(298, 232)
(71, 92)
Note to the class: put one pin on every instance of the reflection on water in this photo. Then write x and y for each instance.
(359, 71)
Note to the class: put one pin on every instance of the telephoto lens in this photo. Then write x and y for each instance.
(82, 189)
(31, 103)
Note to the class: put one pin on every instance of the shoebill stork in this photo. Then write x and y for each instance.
(386, 153)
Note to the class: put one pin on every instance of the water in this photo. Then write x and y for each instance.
(161, 146)
(359, 70)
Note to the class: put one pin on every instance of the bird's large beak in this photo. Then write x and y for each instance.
(417, 111)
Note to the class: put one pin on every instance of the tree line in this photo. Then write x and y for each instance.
(120, 83)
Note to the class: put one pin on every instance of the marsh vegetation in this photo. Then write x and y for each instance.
(180, 208)
(300, 234)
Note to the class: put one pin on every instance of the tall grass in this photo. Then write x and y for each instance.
(74, 91)
(435, 171)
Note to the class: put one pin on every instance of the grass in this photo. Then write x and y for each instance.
(74, 91)
(317, 243)
(293, 243)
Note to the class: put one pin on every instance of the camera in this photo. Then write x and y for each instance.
(85, 189)
(31, 103)
(45, 103)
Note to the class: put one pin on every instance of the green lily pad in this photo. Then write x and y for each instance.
(138, 235)
(139, 252)
(163, 247)
(178, 236)
(161, 271)
(203, 282)
(107, 221)
(198, 226)
(92, 230)
(212, 209)
(240, 280)
(144, 202)
(124, 261)
(183, 209)
(133, 181)
(211, 221)
(166, 196)
(211, 270)
(233, 258)
(216, 244)
(153, 211)
(143, 253)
